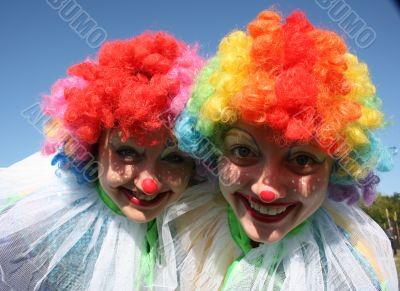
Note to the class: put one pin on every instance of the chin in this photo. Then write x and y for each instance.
(270, 239)
(266, 237)
(262, 233)
(138, 216)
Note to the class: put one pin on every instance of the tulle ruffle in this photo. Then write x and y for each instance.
(340, 248)
(56, 234)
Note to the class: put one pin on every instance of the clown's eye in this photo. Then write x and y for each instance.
(174, 158)
(242, 155)
(303, 160)
(242, 152)
(129, 154)
(303, 163)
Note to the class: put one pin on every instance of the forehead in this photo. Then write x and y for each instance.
(264, 136)
(259, 132)
(115, 136)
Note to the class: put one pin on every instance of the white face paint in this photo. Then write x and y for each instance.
(296, 175)
(127, 165)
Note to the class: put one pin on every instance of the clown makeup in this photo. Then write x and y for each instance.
(142, 181)
(271, 189)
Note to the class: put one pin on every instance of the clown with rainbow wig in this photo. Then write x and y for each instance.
(289, 117)
(91, 216)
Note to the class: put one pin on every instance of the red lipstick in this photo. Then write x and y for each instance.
(132, 197)
(266, 218)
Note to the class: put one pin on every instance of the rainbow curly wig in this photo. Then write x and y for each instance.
(301, 82)
(138, 85)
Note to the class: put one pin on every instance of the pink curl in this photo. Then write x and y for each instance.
(54, 104)
(185, 69)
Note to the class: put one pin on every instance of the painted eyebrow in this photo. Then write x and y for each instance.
(115, 143)
(239, 131)
(169, 149)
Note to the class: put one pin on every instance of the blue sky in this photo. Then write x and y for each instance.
(37, 45)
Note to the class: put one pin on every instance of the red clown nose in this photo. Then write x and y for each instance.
(149, 186)
(267, 196)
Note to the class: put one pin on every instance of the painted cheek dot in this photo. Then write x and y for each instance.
(149, 186)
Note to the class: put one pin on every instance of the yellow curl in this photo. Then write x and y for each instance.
(355, 136)
(357, 74)
(371, 118)
(234, 56)
(53, 128)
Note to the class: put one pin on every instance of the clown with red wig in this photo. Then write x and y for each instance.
(91, 216)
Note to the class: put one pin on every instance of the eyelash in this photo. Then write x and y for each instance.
(240, 146)
(170, 158)
(128, 154)
(242, 161)
(300, 154)
(303, 169)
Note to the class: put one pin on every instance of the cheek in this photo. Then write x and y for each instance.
(115, 173)
(113, 178)
(309, 187)
(233, 177)
(177, 178)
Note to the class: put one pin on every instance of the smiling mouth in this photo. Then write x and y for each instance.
(266, 212)
(140, 199)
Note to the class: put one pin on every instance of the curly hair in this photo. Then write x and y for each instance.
(301, 82)
(137, 85)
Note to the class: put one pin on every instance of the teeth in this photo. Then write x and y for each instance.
(145, 197)
(142, 196)
(266, 210)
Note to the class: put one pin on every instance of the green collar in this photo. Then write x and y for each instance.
(107, 200)
(244, 243)
(237, 232)
(149, 254)
(241, 239)
(149, 246)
